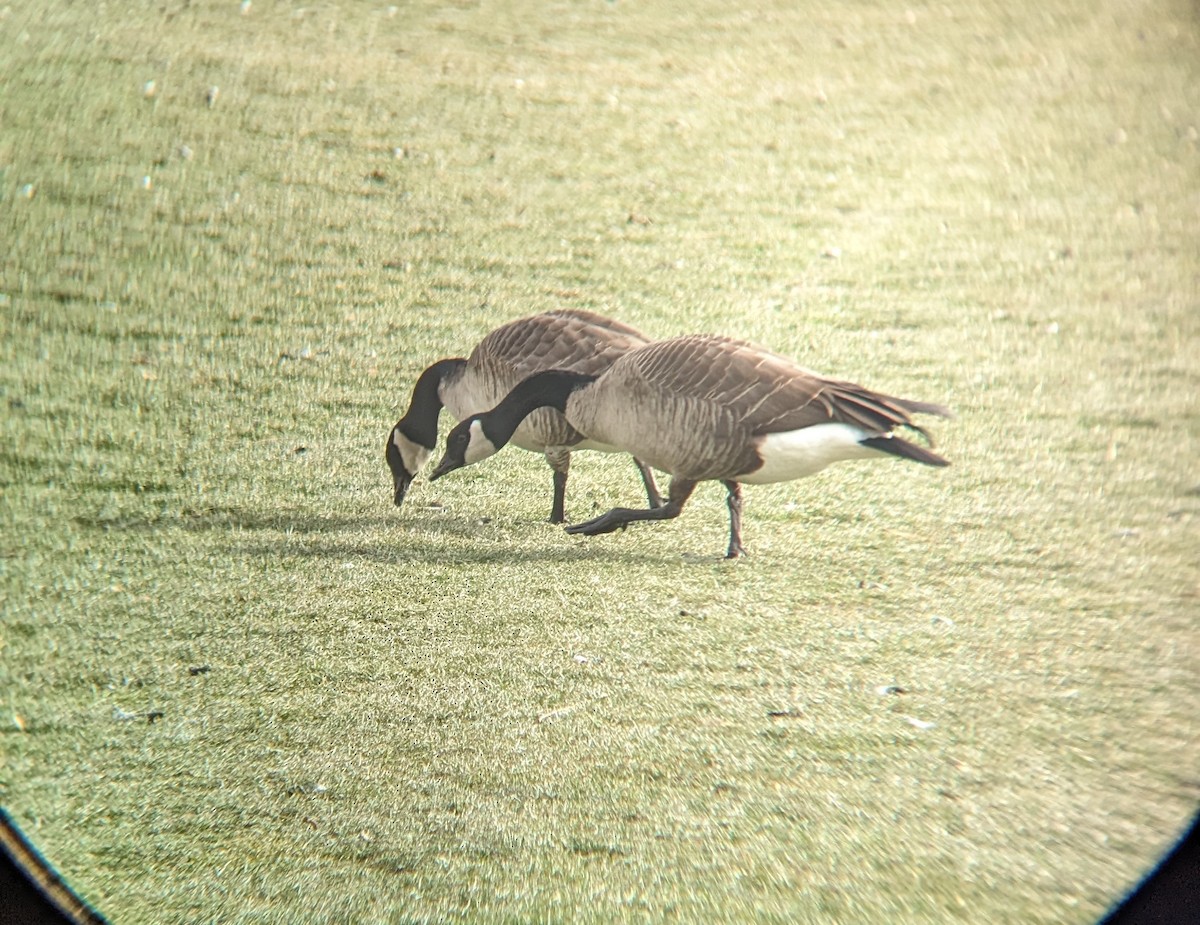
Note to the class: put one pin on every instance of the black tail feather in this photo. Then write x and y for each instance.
(898, 446)
(874, 411)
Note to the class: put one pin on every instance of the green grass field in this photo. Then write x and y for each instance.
(230, 238)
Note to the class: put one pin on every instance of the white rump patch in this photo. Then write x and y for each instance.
(796, 454)
(480, 447)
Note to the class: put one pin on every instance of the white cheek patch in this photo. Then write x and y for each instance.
(480, 447)
(413, 455)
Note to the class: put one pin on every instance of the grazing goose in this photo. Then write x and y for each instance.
(700, 408)
(580, 341)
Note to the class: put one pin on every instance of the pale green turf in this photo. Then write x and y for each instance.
(457, 712)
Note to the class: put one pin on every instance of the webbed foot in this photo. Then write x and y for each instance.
(605, 523)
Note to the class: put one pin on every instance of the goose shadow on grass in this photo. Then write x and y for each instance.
(401, 553)
(228, 518)
(423, 536)
(450, 540)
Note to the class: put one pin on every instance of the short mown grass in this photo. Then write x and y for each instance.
(239, 686)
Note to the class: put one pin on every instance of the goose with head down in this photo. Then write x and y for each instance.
(579, 341)
(705, 408)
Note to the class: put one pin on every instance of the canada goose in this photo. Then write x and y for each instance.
(579, 341)
(704, 407)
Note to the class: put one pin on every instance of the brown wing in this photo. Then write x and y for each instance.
(765, 392)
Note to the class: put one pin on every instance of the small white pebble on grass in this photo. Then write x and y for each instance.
(939, 620)
(555, 714)
(919, 723)
(884, 689)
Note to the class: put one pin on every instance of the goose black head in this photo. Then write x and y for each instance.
(467, 444)
(405, 457)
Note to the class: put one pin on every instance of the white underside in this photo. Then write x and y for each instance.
(795, 454)
(534, 447)
(588, 444)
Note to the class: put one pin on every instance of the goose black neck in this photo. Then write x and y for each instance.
(549, 389)
(420, 421)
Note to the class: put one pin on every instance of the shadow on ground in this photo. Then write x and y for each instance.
(429, 536)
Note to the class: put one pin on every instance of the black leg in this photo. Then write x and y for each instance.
(733, 501)
(652, 495)
(619, 517)
(558, 512)
(559, 460)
